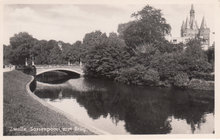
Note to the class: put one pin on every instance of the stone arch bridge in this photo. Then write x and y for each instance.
(46, 68)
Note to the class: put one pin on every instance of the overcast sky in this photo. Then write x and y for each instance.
(70, 23)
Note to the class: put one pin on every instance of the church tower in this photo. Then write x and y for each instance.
(192, 15)
(190, 30)
(204, 34)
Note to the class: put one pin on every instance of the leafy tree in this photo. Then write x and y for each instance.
(76, 51)
(94, 38)
(194, 59)
(21, 45)
(166, 64)
(55, 56)
(149, 27)
(122, 28)
(91, 40)
(194, 50)
(165, 46)
(105, 57)
(211, 54)
(40, 52)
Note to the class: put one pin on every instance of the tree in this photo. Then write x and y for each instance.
(194, 59)
(122, 27)
(21, 45)
(94, 38)
(194, 50)
(91, 40)
(106, 56)
(55, 56)
(41, 52)
(211, 54)
(166, 64)
(149, 27)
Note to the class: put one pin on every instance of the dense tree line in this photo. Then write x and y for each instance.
(139, 54)
(24, 47)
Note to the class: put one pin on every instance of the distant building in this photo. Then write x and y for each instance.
(190, 30)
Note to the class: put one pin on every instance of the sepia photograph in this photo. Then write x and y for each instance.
(108, 68)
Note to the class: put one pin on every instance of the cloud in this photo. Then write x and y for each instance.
(71, 22)
(62, 22)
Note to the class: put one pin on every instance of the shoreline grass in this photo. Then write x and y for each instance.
(23, 115)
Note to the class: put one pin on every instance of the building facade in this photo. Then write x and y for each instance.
(191, 30)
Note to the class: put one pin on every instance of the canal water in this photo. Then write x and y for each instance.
(125, 109)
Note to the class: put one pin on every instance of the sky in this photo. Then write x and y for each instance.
(70, 23)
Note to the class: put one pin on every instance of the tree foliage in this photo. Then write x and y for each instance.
(24, 47)
(148, 27)
(104, 58)
(181, 80)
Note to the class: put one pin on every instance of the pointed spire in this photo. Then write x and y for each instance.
(203, 24)
(183, 25)
(197, 27)
(186, 23)
(192, 8)
(192, 16)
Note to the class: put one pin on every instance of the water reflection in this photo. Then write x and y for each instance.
(56, 77)
(132, 109)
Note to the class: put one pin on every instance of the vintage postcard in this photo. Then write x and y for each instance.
(109, 69)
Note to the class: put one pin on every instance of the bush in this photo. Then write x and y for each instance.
(203, 76)
(30, 70)
(201, 84)
(151, 77)
(131, 75)
(138, 75)
(181, 80)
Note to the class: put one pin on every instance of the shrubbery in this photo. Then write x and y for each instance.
(181, 80)
(204, 76)
(151, 77)
(138, 75)
(31, 70)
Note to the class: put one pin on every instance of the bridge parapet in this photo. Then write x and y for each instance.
(46, 68)
(56, 66)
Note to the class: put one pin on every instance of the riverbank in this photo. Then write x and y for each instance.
(23, 115)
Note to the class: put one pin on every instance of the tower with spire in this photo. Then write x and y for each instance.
(204, 33)
(190, 29)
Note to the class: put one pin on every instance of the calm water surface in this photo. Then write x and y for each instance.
(124, 109)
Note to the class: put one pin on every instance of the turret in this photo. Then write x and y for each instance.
(192, 13)
(203, 24)
(183, 25)
(182, 28)
(204, 34)
(187, 24)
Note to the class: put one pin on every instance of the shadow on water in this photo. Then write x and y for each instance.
(56, 77)
(145, 110)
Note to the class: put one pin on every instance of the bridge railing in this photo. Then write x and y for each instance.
(56, 66)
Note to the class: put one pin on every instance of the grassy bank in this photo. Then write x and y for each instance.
(23, 115)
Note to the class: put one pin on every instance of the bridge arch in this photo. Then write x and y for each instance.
(40, 70)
